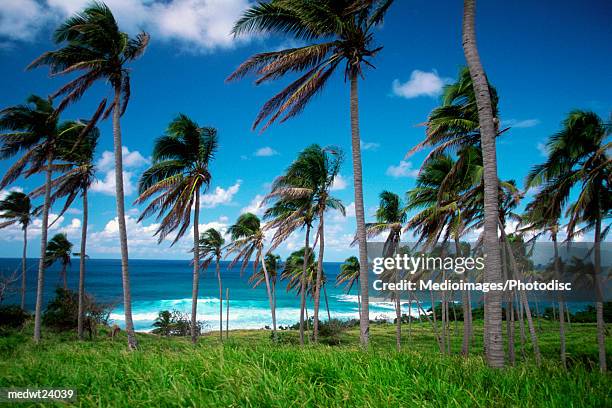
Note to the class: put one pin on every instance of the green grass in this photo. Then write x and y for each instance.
(249, 370)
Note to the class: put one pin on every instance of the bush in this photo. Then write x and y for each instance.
(175, 323)
(330, 331)
(12, 317)
(61, 314)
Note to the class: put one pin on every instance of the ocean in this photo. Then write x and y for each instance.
(166, 285)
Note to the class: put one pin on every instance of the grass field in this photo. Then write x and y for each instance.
(250, 370)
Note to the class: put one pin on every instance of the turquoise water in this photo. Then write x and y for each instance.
(166, 285)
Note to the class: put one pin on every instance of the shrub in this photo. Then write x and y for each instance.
(175, 323)
(61, 313)
(12, 317)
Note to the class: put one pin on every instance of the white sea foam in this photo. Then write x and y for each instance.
(249, 314)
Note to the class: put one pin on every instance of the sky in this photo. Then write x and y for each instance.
(545, 58)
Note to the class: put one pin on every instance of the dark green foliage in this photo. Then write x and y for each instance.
(175, 323)
(62, 311)
(12, 317)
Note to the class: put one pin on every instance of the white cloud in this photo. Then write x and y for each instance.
(525, 123)
(130, 159)
(105, 183)
(420, 84)
(403, 169)
(339, 183)
(369, 145)
(265, 152)
(199, 25)
(220, 196)
(255, 206)
(542, 149)
(20, 19)
(336, 216)
(72, 229)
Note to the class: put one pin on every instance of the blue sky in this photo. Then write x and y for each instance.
(545, 58)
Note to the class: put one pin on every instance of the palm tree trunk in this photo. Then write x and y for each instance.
(23, 266)
(493, 322)
(398, 322)
(303, 283)
(465, 344)
(125, 274)
(509, 311)
(220, 301)
(435, 322)
(433, 325)
(409, 319)
(196, 267)
(326, 304)
(359, 302)
(601, 325)
(317, 292)
(43, 248)
(364, 319)
(82, 267)
(270, 298)
(65, 276)
(519, 311)
(227, 302)
(523, 299)
(561, 303)
(537, 307)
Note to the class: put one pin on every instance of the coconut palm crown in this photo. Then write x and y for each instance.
(180, 170)
(346, 28)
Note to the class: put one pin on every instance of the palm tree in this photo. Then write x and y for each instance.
(390, 217)
(542, 216)
(179, 173)
(303, 283)
(59, 249)
(163, 323)
(288, 215)
(95, 47)
(17, 209)
(75, 152)
(311, 177)
(273, 266)
(349, 275)
(211, 248)
(248, 240)
(346, 29)
(488, 132)
(33, 129)
(578, 157)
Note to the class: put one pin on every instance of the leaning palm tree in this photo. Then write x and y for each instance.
(273, 266)
(390, 217)
(488, 132)
(542, 216)
(31, 129)
(211, 248)
(96, 48)
(248, 241)
(348, 276)
(578, 159)
(286, 216)
(59, 249)
(17, 209)
(310, 177)
(299, 282)
(75, 153)
(173, 183)
(345, 29)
